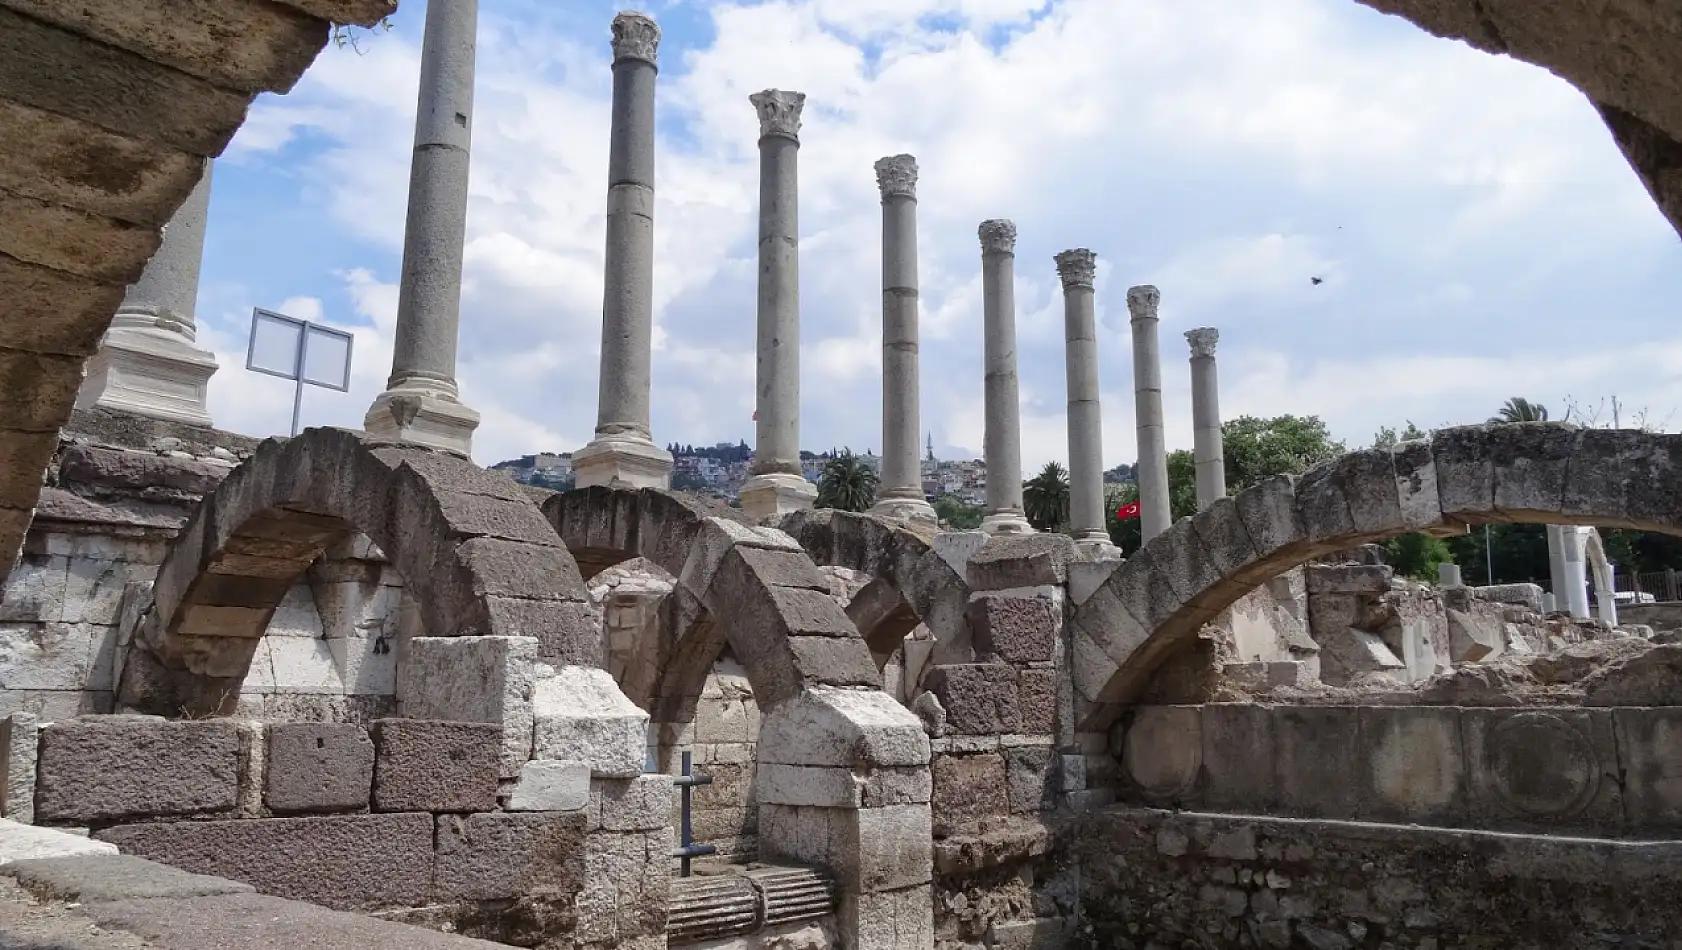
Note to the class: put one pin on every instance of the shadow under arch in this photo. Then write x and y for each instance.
(1521, 473)
(480, 558)
(911, 583)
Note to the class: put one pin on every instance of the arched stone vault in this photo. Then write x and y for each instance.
(905, 566)
(753, 588)
(481, 558)
(1527, 473)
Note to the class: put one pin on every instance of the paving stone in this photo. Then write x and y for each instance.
(114, 877)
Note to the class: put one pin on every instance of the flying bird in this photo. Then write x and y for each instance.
(1317, 280)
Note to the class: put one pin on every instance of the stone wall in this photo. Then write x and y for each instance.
(1187, 880)
(402, 814)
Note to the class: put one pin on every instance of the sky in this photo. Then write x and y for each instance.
(1477, 233)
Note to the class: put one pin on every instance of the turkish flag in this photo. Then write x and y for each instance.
(1129, 510)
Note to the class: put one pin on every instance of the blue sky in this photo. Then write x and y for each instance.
(1478, 233)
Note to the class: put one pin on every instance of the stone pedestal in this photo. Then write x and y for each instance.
(421, 404)
(777, 485)
(1003, 436)
(900, 494)
(1208, 448)
(1078, 269)
(623, 452)
(1142, 303)
(148, 363)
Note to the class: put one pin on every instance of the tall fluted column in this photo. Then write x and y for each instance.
(148, 363)
(1001, 403)
(1077, 269)
(777, 486)
(1207, 447)
(901, 492)
(421, 403)
(1147, 407)
(623, 453)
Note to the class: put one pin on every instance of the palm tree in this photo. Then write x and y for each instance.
(846, 483)
(1046, 497)
(1520, 409)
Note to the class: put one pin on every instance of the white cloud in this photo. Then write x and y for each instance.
(1463, 211)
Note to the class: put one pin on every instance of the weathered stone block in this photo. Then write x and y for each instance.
(1008, 561)
(110, 768)
(1348, 578)
(1033, 775)
(1036, 699)
(490, 857)
(1015, 629)
(346, 862)
(1415, 765)
(1416, 484)
(968, 788)
(1542, 769)
(885, 848)
(979, 698)
(1650, 758)
(474, 679)
(1162, 752)
(783, 568)
(1529, 464)
(1269, 513)
(893, 920)
(1465, 472)
(581, 716)
(435, 766)
(1472, 638)
(644, 803)
(810, 786)
(1314, 770)
(842, 727)
(902, 786)
(20, 744)
(318, 767)
(550, 785)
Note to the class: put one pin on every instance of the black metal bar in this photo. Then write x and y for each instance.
(688, 849)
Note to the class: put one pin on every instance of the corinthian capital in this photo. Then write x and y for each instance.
(1142, 301)
(635, 36)
(897, 175)
(998, 236)
(779, 112)
(1077, 267)
(1203, 340)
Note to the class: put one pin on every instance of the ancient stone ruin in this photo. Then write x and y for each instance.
(347, 689)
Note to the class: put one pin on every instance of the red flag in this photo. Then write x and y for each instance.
(1129, 510)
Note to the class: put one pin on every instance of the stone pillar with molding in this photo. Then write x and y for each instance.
(623, 452)
(1077, 269)
(900, 494)
(1154, 514)
(1002, 438)
(149, 363)
(421, 404)
(1207, 445)
(777, 485)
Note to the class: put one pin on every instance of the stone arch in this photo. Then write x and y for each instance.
(1530, 473)
(906, 567)
(492, 566)
(753, 588)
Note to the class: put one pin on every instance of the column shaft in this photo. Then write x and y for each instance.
(778, 486)
(1208, 449)
(623, 452)
(1078, 270)
(1001, 401)
(900, 493)
(420, 404)
(1154, 514)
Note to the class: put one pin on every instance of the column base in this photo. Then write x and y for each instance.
(1097, 549)
(622, 462)
(767, 498)
(416, 416)
(149, 370)
(1007, 521)
(909, 506)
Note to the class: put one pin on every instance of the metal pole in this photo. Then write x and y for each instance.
(687, 848)
(298, 374)
(1488, 558)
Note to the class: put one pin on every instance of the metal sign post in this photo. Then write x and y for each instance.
(305, 352)
(687, 849)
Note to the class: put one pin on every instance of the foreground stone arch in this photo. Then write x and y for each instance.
(1526, 473)
(912, 583)
(482, 560)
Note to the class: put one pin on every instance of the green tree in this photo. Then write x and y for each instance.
(1045, 498)
(846, 483)
(1182, 484)
(1124, 534)
(1388, 437)
(1520, 409)
(1258, 449)
(959, 515)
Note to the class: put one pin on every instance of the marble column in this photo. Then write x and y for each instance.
(623, 452)
(1001, 403)
(900, 494)
(776, 486)
(1077, 269)
(1207, 447)
(421, 403)
(148, 363)
(1147, 407)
